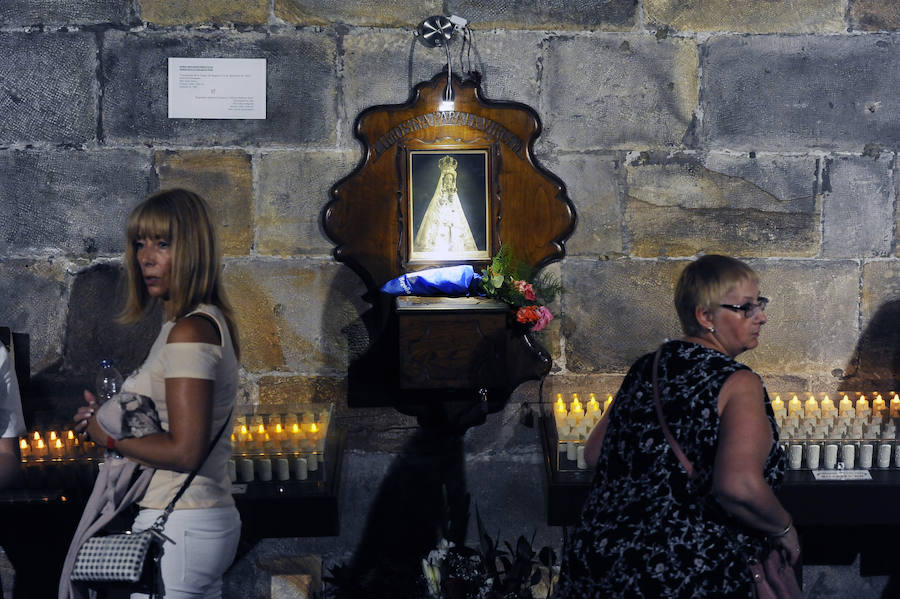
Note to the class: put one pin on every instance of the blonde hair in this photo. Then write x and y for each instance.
(703, 284)
(182, 218)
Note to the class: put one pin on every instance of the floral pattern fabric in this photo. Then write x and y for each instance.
(646, 531)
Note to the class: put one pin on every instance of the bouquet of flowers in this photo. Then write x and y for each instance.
(510, 280)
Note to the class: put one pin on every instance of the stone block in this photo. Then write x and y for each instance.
(381, 67)
(378, 13)
(798, 16)
(766, 92)
(617, 310)
(553, 14)
(293, 189)
(225, 180)
(51, 94)
(301, 84)
(813, 320)
(595, 184)
(69, 201)
(293, 577)
(857, 206)
(874, 15)
(167, 13)
(26, 13)
(293, 314)
(684, 205)
(510, 65)
(630, 92)
(33, 301)
(292, 393)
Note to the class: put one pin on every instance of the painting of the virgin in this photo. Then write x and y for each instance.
(448, 205)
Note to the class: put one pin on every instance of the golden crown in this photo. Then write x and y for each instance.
(447, 163)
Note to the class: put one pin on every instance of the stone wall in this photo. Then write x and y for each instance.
(767, 131)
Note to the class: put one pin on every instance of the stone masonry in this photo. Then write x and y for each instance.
(768, 131)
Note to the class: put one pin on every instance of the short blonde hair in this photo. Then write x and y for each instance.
(703, 284)
(182, 218)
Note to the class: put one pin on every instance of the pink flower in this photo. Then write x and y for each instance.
(525, 289)
(544, 316)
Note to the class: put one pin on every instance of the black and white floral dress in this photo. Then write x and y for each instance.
(646, 530)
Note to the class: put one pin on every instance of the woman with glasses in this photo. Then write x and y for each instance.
(648, 529)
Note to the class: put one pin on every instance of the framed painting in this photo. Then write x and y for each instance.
(449, 205)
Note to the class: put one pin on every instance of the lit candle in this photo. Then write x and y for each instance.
(57, 448)
(39, 447)
(593, 406)
(827, 406)
(845, 407)
(559, 410)
(811, 408)
(576, 409)
(862, 406)
(777, 404)
(895, 406)
(606, 404)
(795, 408)
(878, 405)
(24, 448)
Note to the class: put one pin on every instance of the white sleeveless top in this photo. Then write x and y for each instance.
(218, 363)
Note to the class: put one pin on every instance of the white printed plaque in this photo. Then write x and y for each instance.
(217, 88)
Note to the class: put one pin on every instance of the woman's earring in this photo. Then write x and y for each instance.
(711, 330)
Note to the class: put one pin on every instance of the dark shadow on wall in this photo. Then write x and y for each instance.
(875, 364)
(422, 498)
(91, 334)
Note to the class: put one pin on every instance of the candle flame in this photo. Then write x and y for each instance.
(23, 444)
(40, 444)
(58, 444)
(53, 436)
(261, 429)
(70, 435)
(37, 435)
(295, 428)
(278, 428)
(313, 428)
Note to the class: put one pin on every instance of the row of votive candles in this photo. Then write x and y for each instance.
(857, 433)
(62, 444)
(280, 434)
(575, 420)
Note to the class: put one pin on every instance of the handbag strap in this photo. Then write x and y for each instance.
(161, 520)
(676, 448)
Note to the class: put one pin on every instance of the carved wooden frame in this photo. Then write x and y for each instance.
(368, 214)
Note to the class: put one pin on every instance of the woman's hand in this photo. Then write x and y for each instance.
(86, 420)
(790, 543)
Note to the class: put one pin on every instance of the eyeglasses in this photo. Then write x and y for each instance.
(749, 309)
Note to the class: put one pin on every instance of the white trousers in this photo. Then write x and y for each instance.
(206, 541)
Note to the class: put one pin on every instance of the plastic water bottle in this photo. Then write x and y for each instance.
(109, 381)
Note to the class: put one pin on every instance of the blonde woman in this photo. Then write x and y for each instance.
(191, 374)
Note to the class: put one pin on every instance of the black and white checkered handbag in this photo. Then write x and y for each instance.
(128, 559)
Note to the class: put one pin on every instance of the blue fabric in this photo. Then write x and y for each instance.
(449, 280)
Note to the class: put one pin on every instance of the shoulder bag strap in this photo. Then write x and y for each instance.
(676, 448)
(161, 521)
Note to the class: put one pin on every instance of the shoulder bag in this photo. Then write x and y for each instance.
(773, 578)
(130, 560)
